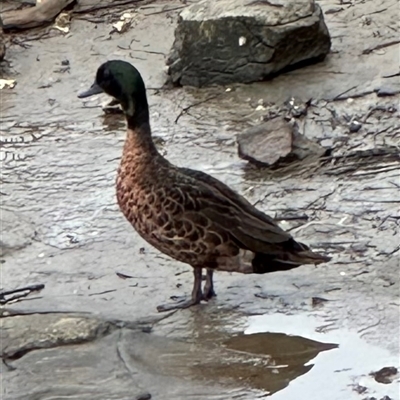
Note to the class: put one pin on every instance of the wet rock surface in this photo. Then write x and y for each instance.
(17, 232)
(132, 358)
(59, 160)
(135, 357)
(245, 41)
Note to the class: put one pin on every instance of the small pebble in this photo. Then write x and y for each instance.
(143, 396)
(354, 126)
(386, 91)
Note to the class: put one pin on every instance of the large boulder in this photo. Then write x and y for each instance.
(226, 41)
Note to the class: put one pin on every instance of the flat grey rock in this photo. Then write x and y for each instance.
(25, 333)
(245, 41)
(274, 142)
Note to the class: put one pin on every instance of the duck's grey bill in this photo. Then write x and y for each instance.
(94, 89)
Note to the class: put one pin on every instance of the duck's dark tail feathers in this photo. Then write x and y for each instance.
(292, 255)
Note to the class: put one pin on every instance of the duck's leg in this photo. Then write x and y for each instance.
(208, 291)
(197, 295)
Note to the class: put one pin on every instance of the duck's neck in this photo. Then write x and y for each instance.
(139, 151)
(141, 115)
(139, 142)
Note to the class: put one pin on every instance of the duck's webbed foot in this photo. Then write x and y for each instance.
(208, 292)
(196, 298)
(179, 305)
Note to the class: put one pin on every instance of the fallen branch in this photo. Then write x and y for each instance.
(166, 10)
(380, 46)
(19, 293)
(31, 17)
(186, 109)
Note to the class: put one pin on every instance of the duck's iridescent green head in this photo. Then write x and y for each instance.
(122, 81)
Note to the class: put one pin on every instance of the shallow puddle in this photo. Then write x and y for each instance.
(298, 351)
(282, 357)
(287, 358)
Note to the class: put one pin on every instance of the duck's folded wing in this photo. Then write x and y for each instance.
(250, 228)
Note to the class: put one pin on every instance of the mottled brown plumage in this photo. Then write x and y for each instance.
(186, 214)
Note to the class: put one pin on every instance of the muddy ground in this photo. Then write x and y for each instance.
(93, 332)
